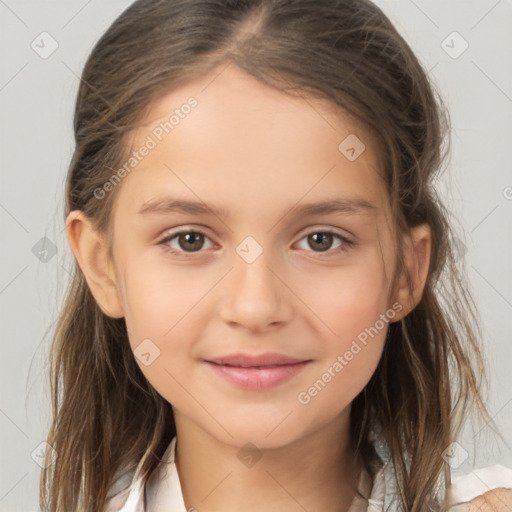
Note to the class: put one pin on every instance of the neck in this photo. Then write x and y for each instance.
(317, 472)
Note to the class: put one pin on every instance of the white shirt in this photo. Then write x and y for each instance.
(163, 491)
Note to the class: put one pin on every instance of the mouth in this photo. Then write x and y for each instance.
(253, 361)
(256, 372)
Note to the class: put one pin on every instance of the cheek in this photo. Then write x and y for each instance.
(351, 305)
(158, 297)
(348, 361)
(349, 298)
(163, 316)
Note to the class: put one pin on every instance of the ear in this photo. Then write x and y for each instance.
(417, 261)
(91, 252)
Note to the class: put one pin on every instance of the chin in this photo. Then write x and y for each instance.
(260, 432)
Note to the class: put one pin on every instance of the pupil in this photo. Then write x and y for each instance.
(324, 239)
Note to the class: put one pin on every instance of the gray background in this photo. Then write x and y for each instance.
(37, 99)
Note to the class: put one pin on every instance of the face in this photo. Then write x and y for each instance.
(254, 269)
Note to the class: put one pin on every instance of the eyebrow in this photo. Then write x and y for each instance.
(336, 205)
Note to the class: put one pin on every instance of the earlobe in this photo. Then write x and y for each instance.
(91, 252)
(417, 253)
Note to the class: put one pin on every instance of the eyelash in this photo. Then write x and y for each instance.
(346, 242)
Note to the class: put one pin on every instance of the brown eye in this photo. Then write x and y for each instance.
(324, 241)
(321, 241)
(192, 241)
(185, 242)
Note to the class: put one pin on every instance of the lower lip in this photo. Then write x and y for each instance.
(257, 378)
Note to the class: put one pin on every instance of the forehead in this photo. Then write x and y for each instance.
(246, 144)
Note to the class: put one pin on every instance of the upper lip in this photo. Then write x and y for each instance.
(248, 360)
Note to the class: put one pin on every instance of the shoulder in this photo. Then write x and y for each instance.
(486, 489)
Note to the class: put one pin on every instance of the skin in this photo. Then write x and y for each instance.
(258, 153)
(497, 500)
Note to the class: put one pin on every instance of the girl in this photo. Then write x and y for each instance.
(267, 312)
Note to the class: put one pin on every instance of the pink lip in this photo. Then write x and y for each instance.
(257, 372)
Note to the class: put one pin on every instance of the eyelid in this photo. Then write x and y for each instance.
(327, 229)
(171, 234)
(347, 240)
(306, 231)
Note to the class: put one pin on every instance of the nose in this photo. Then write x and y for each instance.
(255, 296)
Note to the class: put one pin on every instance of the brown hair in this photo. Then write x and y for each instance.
(106, 415)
